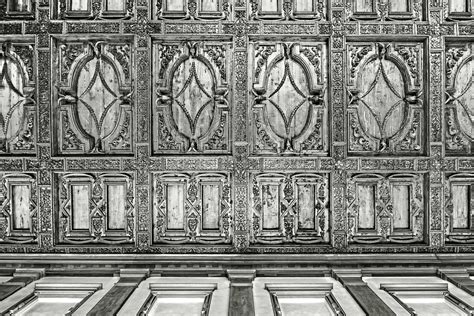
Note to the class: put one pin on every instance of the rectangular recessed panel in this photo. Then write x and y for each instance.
(116, 198)
(460, 195)
(19, 5)
(210, 206)
(366, 194)
(177, 305)
(271, 206)
(399, 6)
(401, 206)
(80, 206)
(175, 5)
(304, 6)
(175, 206)
(364, 6)
(458, 5)
(300, 305)
(21, 206)
(306, 204)
(79, 5)
(209, 5)
(114, 5)
(269, 5)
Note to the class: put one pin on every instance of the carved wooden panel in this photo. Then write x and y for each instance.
(94, 111)
(17, 9)
(458, 10)
(192, 208)
(192, 100)
(17, 98)
(96, 208)
(288, 10)
(94, 9)
(386, 112)
(385, 9)
(459, 202)
(459, 111)
(192, 9)
(385, 208)
(289, 108)
(289, 208)
(18, 208)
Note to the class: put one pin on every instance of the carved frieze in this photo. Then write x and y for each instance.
(192, 101)
(95, 208)
(192, 208)
(94, 97)
(385, 99)
(289, 108)
(385, 208)
(289, 208)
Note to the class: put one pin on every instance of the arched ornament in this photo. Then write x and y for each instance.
(385, 99)
(17, 99)
(459, 111)
(289, 108)
(94, 98)
(192, 113)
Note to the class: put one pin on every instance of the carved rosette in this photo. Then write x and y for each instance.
(290, 208)
(192, 103)
(18, 209)
(289, 107)
(95, 98)
(459, 110)
(96, 208)
(192, 208)
(385, 99)
(385, 209)
(18, 106)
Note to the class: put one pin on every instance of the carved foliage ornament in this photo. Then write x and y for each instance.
(459, 111)
(17, 98)
(96, 208)
(18, 209)
(192, 107)
(289, 208)
(289, 108)
(385, 209)
(192, 208)
(94, 97)
(385, 84)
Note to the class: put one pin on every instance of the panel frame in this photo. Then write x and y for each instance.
(458, 235)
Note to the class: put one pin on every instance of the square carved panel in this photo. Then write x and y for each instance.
(95, 208)
(293, 10)
(192, 208)
(93, 96)
(192, 9)
(386, 208)
(289, 208)
(288, 100)
(385, 102)
(191, 109)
